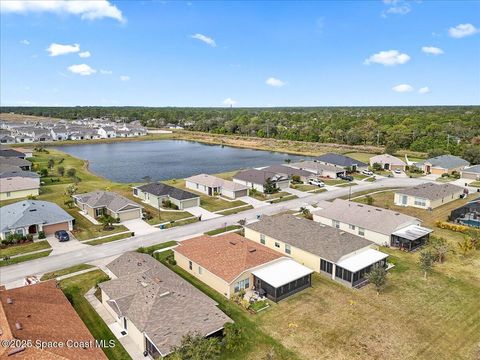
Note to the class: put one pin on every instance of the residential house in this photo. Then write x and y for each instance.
(14, 161)
(302, 174)
(155, 307)
(230, 263)
(98, 203)
(319, 169)
(342, 161)
(471, 173)
(340, 255)
(59, 133)
(27, 151)
(467, 214)
(212, 185)
(388, 162)
(32, 216)
(155, 194)
(7, 152)
(443, 164)
(381, 226)
(6, 139)
(107, 132)
(18, 184)
(256, 179)
(24, 139)
(428, 196)
(41, 314)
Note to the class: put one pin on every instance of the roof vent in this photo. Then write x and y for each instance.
(9, 300)
(18, 325)
(378, 209)
(144, 284)
(233, 242)
(165, 293)
(252, 250)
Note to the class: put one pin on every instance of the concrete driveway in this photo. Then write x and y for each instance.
(252, 201)
(63, 247)
(401, 175)
(206, 215)
(139, 227)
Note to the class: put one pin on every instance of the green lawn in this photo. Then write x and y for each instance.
(303, 187)
(347, 184)
(165, 216)
(223, 229)
(181, 222)
(75, 289)
(359, 176)
(151, 249)
(23, 258)
(263, 197)
(84, 229)
(360, 156)
(24, 248)
(283, 198)
(66, 271)
(475, 184)
(334, 181)
(235, 211)
(256, 343)
(109, 239)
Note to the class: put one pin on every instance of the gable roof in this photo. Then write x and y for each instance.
(14, 161)
(447, 161)
(369, 217)
(259, 176)
(19, 174)
(110, 200)
(31, 212)
(340, 160)
(386, 159)
(472, 169)
(17, 183)
(161, 189)
(327, 242)
(11, 153)
(431, 191)
(315, 166)
(45, 314)
(160, 302)
(287, 170)
(213, 181)
(227, 256)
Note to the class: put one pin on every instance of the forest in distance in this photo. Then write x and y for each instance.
(430, 129)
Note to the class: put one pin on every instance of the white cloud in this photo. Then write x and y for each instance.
(24, 42)
(207, 40)
(124, 77)
(82, 69)
(399, 10)
(87, 10)
(424, 90)
(229, 102)
(388, 58)
(403, 88)
(85, 54)
(59, 49)
(106, 72)
(274, 82)
(432, 50)
(462, 30)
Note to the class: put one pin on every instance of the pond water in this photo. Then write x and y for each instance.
(167, 159)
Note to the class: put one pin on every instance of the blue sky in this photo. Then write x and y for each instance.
(164, 53)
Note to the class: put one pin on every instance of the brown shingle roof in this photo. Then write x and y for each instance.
(226, 256)
(46, 315)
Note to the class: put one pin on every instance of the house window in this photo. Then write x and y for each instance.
(190, 265)
(336, 224)
(19, 231)
(135, 191)
(351, 227)
(8, 194)
(326, 266)
(277, 244)
(420, 202)
(262, 239)
(361, 231)
(288, 250)
(200, 270)
(242, 285)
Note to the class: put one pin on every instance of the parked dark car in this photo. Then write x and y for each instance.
(62, 235)
(346, 177)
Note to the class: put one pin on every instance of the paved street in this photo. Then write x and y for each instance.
(17, 272)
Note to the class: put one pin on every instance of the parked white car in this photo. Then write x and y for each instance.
(367, 172)
(316, 182)
(397, 171)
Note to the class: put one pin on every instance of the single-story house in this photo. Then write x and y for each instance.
(290, 171)
(443, 164)
(21, 163)
(319, 169)
(212, 185)
(107, 132)
(27, 151)
(230, 263)
(256, 179)
(98, 203)
(468, 214)
(343, 161)
(344, 257)
(7, 152)
(472, 173)
(155, 193)
(388, 162)
(32, 216)
(21, 184)
(428, 196)
(382, 226)
(6, 139)
(156, 307)
(41, 314)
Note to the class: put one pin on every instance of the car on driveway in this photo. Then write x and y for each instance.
(346, 177)
(397, 171)
(62, 235)
(367, 172)
(316, 182)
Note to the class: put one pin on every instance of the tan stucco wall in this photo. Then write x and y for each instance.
(18, 194)
(428, 203)
(129, 215)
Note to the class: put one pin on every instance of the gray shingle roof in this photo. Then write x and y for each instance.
(327, 242)
(473, 169)
(14, 161)
(160, 302)
(447, 161)
(160, 189)
(290, 171)
(431, 191)
(258, 176)
(11, 153)
(21, 173)
(110, 200)
(340, 160)
(30, 212)
(369, 217)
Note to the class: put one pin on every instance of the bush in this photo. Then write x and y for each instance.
(41, 235)
(296, 179)
(43, 172)
(454, 227)
(29, 237)
(169, 205)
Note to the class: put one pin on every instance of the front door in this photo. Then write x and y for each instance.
(32, 229)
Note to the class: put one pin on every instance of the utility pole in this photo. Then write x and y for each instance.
(378, 137)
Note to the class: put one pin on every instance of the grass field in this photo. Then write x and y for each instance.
(235, 211)
(303, 187)
(24, 248)
(66, 271)
(24, 258)
(109, 239)
(223, 229)
(150, 249)
(75, 288)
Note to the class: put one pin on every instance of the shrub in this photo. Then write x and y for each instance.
(233, 339)
(41, 235)
(71, 172)
(29, 237)
(43, 172)
(454, 227)
(296, 179)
